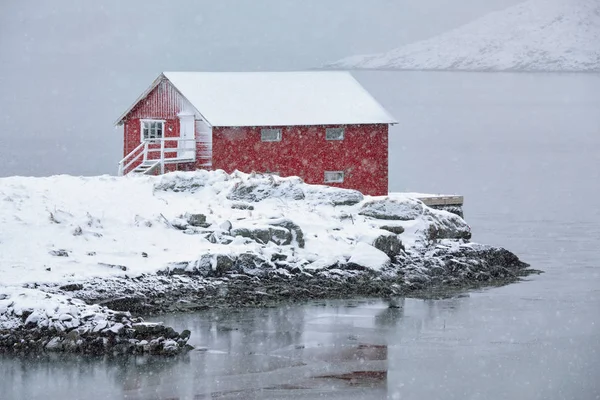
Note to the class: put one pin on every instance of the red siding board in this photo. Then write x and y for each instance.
(304, 151)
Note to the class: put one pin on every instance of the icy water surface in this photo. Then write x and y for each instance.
(524, 149)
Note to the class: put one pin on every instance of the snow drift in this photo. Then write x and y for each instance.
(537, 35)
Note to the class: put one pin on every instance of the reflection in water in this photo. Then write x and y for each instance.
(254, 353)
(336, 349)
(306, 349)
(389, 317)
(59, 375)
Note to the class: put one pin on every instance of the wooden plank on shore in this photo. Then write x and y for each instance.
(442, 200)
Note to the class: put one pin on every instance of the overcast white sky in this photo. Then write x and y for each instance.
(68, 68)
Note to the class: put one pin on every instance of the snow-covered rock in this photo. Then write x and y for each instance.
(332, 195)
(260, 187)
(445, 225)
(368, 257)
(403, 209)
(537, 35)
(33, 320)
(180, 242)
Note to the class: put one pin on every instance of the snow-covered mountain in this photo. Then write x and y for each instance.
(537, 35)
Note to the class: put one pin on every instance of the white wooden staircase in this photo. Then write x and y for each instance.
(145, 164)
(146, 167)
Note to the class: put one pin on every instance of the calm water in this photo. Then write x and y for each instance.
(525, 151)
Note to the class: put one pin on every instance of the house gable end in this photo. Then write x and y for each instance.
(162, 100)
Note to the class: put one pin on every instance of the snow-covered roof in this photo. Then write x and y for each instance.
(279, 98)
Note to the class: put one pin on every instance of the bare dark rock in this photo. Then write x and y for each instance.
(296, 232)
(389, 244)
(170, 333)
(201, 266)
(71, 287)
(59, 253)
(177, 268)
(252, 264)
(223, 264)
(456, 210)
(115, 266)
(219, 237)
(196, 220)
(397, 229)
(185, 334)
(208, 265)
(126, 303)
(264, 235)
(131, 336)
(242, 206)
(351, 266)
(54, 344)
(278, 257)
(147, 329)
(25, 314)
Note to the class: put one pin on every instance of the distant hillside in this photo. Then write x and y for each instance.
(537, 35)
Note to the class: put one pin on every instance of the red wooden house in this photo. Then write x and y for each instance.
(322, 126)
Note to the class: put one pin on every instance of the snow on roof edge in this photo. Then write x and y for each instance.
(384, 118)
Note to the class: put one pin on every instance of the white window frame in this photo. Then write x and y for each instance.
(264, 131)
(335, 133)
(329, 177)
(145, 121)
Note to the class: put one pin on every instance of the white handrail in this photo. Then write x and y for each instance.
(123, 167)
(144, 158)
(162, 149)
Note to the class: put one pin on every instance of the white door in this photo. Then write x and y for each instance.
(204, 132)
(187, 147)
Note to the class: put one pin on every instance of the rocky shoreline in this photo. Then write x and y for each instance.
(273, 240)
(445, 265)
(136, 338)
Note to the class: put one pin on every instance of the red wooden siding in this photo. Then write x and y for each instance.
(304, 151)
(163, 102)
(362, 155)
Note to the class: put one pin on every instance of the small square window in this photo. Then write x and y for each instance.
(152, 130)
(334, 176)
(270, 135)
(334, 134)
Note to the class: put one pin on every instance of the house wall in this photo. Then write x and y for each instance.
(163, 102)
(304, 151)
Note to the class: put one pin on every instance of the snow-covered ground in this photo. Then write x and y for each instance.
(65, 239)
(67, 229)
(537, 35)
